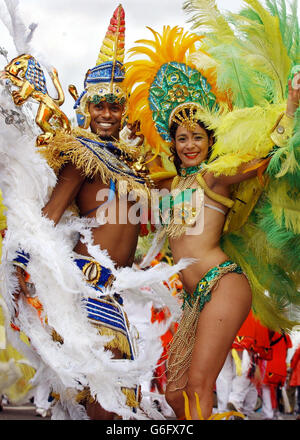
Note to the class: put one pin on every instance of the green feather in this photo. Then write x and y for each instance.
(271, 309)
(285, 162)
(289, 26)
(233, 73)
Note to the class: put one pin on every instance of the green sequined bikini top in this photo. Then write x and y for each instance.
(176, 211)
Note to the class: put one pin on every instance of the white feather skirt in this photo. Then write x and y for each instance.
(81, 361)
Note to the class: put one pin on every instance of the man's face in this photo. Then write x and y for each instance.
(106, 119)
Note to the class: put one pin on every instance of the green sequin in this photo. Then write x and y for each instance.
(174, 84)
(109, 97)
(185, 172)
(203, 290)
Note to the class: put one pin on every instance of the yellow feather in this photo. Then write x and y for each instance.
(243, 135)
(174, 44)
(146, 51)
(186, 406)
(206, 13)
(198, 407)
(290, 165)
(202, 61)
(269, 315)
(2, 216)
(2, 221)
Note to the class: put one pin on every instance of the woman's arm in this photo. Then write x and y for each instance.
(245, 172)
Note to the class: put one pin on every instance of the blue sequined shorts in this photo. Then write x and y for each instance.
(105, 310)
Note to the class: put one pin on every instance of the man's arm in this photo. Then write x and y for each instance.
(68, 185)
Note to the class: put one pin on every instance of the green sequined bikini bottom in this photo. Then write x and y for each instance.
(181, 348)
(202, 293)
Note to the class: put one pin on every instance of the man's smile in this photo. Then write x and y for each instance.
(106, 124)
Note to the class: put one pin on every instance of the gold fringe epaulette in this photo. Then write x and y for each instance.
(119, 340)
(131, 399)
(91, 156)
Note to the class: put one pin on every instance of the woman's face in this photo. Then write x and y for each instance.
(192, 146)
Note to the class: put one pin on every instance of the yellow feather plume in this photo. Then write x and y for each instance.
(285, 208)
(174, 44)
(243, 135)
(206, 13)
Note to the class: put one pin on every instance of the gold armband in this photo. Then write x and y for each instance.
(283, 130)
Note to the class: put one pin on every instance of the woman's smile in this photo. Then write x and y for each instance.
(191, 156)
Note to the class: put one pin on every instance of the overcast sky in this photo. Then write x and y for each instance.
(70, 32)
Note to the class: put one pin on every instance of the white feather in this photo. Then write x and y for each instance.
(26, 182)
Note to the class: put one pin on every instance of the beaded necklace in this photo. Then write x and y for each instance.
(185, 172)
(187, 177)
(181, 213)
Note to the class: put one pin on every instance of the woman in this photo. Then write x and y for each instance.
(180, 106)
(228, 306)
(214, 285)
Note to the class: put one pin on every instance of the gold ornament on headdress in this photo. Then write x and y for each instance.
(185, 114)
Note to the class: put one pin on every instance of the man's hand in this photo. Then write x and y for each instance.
(134, 133)
(293, 95)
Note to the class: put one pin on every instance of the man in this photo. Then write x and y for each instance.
(101, 107)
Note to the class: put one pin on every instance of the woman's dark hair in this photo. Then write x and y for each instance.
(174, 156)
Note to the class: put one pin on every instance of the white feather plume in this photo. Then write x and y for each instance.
(26, 182)
(20, 33)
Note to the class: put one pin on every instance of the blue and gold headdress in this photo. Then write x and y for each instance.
(104, 81)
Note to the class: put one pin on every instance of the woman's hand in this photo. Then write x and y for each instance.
(293, 95)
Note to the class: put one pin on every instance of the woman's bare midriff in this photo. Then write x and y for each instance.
(204, 248)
